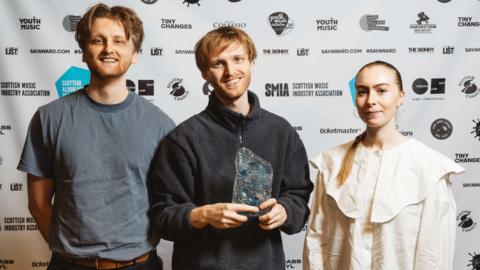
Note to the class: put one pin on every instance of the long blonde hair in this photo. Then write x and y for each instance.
(347, 162)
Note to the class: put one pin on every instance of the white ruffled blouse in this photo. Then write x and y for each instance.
(395, 211)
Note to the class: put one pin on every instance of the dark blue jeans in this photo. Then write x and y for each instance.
(153, 263)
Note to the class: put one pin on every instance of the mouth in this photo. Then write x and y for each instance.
(372, 114)
(108, 60)
(232, 82)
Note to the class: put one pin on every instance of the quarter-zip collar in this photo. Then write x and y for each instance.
(230, 119)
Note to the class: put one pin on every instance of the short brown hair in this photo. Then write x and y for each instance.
(131, 23)
(218, 40)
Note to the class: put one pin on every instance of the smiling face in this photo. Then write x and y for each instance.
(108, 53)
(378, 96)
(229, 72)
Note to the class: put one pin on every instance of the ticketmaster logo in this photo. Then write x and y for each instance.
(340, 130)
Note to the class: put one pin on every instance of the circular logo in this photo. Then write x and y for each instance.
(444, 1)
(441, 128)
(420, 86)
(234, 1)
(70, 22)
(149, 2)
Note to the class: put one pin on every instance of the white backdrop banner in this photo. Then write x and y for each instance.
(308, 54)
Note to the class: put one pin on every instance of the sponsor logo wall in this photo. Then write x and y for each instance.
(308, 54)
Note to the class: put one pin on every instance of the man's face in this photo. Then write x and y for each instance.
(229, 72)
(108, 53)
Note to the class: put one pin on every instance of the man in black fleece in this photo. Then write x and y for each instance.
(194, 170)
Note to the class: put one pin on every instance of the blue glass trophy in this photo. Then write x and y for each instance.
(253, 180)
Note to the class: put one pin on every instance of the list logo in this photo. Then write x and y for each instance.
(281, 23)
(476, 129)
(145, 87)
(327, 24)
(475, 261)
(156, 51)
(441, 129)
(465, 221)
(177, 90)
(372, 23)
(422, 26)
(448, 49)
(191, 2)
(469, 88)
(16, 186)
(303, 52)
(11, 50)
(70, 22)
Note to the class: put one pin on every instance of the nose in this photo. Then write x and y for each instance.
(108, 46)
(229, 68)
(372, 97)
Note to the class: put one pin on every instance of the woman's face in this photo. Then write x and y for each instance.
(378, 96)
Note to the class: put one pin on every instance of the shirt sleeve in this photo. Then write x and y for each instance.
(172, 191)
(36, 156)
(314, 245)
(295, 189)
(436, 237)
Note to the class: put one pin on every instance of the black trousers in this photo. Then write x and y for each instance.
(153, 263)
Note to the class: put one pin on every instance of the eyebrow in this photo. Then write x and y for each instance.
(376, 85)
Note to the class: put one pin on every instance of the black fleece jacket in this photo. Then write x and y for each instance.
(195, 165)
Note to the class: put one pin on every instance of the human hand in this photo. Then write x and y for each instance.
(275, 218)
(220, 215)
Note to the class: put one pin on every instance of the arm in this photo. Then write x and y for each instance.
(40, 194)
(295, 190)
(436, 236)
(314, 246)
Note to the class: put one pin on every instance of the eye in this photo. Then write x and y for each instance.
(97, 41)
(238, 59)
(216, 64)
(120, 41)
(382, 90)
(361, 91)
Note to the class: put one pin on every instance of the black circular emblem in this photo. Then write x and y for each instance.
(444, 1)
(441, 128)
(149, 2)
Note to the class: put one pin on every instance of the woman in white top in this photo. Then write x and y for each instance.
(382, 201)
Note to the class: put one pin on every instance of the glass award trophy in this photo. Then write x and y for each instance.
(253, 180)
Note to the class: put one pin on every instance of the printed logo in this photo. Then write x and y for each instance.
(149, 2)
(465, 221)
(30, 23)
(145, 87)
(39, 264)
(422, 26)
(467, 22)
(207, 88)
(420, 87)
(448, 49)
(421, 49)
(441, 129)
(177, 90)
(191, 2)
(329, 130)
(281, 23)
(293, 263)
(372, 23)
(476, 129)
(184, 51)
(327, 24)
(241, 25)
(156, 51)
(172, 24)
(70, 22)
(73, 79)
(5, 262)
(276, 89)
(472, 50)
(1, 160)
(301, 89)
(22, 89)
(465, 158)
(469, 88)
(444, 1)
(11, 50)
(303, 51)
(382, 51)
(475, 261)
(341, 51)
(234, 1)
(275, 51)
(4, 129)
(16, 186)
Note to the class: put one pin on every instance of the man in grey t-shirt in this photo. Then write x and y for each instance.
(91, 150)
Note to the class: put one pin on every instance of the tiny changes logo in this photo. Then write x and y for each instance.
(465, 221)
(281, 23)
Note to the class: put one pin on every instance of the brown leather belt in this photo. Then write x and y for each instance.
(98, 263)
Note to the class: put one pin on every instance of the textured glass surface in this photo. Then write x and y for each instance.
(253, 179)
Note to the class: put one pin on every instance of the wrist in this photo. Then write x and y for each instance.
(197, 217)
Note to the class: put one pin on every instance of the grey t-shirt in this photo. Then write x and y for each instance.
(98, 156)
